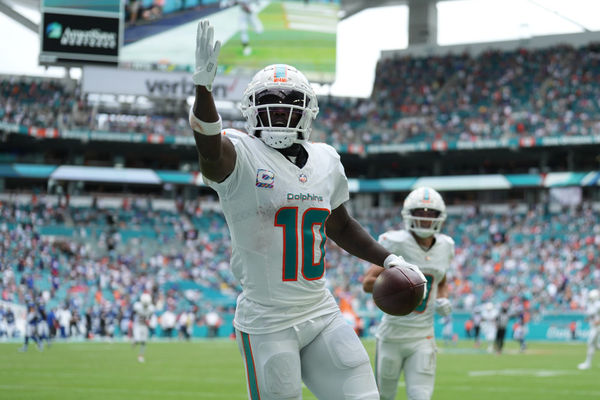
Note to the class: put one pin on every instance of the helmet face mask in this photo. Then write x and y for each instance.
(424, 212)
(281, 109)
(279, 106)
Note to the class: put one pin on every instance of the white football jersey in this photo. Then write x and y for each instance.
(433, 263)
(593, 313)
(142, 313)
(276, 215)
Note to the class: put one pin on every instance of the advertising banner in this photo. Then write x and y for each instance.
(72, 35)
(174, 85)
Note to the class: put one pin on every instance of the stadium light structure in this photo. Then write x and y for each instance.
(7, 9)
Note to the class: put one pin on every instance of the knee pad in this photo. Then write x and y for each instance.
(388, 373)
(345, 347)
(389, 369)
(355, 387)
(282, 376)
(419, 393)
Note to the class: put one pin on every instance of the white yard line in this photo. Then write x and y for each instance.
(298, 26)
(539, 373)
(312, 18)
(321, 9)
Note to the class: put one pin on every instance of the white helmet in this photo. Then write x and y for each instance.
(146, 299)
(594, 295)
(279, 105)
(423, 198)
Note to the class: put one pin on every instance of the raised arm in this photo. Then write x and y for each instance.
(216, 153)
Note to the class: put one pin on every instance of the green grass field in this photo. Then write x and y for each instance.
(313, 53)
(213, 370)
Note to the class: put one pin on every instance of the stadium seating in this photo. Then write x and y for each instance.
(76, 255)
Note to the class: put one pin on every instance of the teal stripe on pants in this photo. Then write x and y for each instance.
(252, 380)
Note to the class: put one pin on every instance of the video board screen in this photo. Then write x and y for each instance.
(253, 34)
(161, 34)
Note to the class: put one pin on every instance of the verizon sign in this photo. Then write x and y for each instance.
(174, 85)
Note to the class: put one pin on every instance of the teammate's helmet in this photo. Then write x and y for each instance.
(279, 105)
(594, 295)
(421, 201)
(146, 299)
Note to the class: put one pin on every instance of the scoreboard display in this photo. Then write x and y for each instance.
(161, 35)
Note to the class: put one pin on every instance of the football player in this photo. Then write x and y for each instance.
(281, 195)
(489, 313)
(248, 18)
(43, 329)
(31, 321)
(407, 343)
(593, 316)
(143, 310)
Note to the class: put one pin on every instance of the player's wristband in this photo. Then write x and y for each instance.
(205, 128)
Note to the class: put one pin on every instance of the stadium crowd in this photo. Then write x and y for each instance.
(90, 264)
(493, 95)
(99, 266)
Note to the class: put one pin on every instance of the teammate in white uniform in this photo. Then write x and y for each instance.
(143, 310)
(593, 316)
(489, 313)
(282, 196)
(407, 343)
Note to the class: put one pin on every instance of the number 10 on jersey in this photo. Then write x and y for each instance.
(312, 232)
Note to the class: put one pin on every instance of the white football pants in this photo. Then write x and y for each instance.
(325, 353)
(416, 358)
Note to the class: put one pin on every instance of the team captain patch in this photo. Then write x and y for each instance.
(265, 178)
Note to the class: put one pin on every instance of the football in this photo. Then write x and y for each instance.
(398, 291)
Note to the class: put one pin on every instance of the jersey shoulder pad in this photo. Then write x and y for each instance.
(393, 237)
(324, 148)
(236, 134)
(448, 244)
(445, 239)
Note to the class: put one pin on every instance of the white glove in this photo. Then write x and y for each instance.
(206, 55)
(396, 261)
(443, 306)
